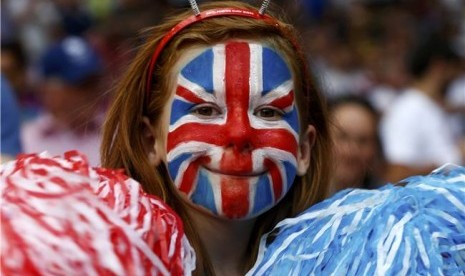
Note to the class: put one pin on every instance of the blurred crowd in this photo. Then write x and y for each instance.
(393, 72)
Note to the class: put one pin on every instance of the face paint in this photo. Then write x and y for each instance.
(233, 135)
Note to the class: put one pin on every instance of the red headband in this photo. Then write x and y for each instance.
(193, 19)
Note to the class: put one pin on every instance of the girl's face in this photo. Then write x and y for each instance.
(230, 133)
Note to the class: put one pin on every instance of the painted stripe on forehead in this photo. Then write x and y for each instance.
(219, 67)
(256, 78)
(237, 76)
(207, 69)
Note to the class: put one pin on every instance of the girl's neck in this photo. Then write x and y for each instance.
(226, 241)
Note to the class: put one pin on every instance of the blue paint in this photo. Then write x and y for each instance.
(179, 108)
(200, 70)
(291, 172)
(292, 118)
(275, 70)
(263, 194)
(173, 166)
(203, 193)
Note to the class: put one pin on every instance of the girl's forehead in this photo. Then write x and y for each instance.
(193, 52)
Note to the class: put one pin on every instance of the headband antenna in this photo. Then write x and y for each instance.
(263, 7)
(195, 7)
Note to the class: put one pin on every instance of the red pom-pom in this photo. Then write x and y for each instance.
(61, 217)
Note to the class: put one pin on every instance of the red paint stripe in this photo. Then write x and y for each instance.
(285, 101)
(207, 133)
(235, 197)
(237, 76)
(235, 162)
(188, 95)
(215, 134)
(235, 191)
(275, 138)
(188, 177)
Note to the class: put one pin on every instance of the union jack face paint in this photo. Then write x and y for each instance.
(233, 136)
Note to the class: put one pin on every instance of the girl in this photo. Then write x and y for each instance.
(218, 116)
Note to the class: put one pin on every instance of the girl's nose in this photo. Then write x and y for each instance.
(239, 132)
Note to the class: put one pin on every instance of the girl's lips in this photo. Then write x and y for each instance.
(234, 173)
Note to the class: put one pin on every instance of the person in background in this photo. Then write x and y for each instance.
(33, 23)
(10, 144)
(14, 67)
(455, 102)
(72, 101)
(357, 149)
(416, 132)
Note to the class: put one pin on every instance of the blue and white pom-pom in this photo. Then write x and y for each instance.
(418, 229)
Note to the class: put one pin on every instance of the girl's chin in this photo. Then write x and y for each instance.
(204, 212)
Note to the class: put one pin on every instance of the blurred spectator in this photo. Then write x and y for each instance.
(357, 151)
(75, 18)
(385, 59)
(10, 122)
(416, 131)
(14, 67)
(114, 35)
(71, 98)
(455, 101)
(34, 22)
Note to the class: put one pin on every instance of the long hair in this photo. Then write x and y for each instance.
(123, 141)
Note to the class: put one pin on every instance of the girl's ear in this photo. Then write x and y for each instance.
(304, 152)
(151, 143)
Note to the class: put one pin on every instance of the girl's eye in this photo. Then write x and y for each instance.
(205, 111)
(269, 113)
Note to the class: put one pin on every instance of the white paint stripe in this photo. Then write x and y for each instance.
(191, 118)
(196, 89)
(257, 123)
(219, 68)
(193, 147)
(252, 192)
(279, 92)
(255, 74)
(259, 155)
(215, 184)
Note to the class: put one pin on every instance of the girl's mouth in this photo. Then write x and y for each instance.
(234, 173)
